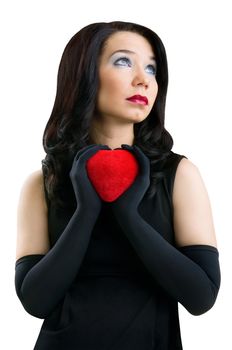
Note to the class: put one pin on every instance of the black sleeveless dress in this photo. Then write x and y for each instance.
(114, 304)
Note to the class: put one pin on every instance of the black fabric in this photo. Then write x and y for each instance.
(125, 291)
(207, 257)
(22, 267)
(46, 282)
(190, 281)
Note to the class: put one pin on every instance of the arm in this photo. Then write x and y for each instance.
(190, 274)
(193, 220)
(43, 276)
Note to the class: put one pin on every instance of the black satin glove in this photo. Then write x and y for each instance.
(128, 202)
(86, 195)
(42, 281)
(191, 274)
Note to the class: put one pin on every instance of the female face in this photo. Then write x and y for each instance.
(127, 69)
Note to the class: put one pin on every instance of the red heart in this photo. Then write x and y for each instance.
(112, 172)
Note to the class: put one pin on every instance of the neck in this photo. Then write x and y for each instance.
(111, 134)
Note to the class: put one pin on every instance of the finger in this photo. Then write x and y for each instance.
(86, 148)
(128, 147)
(142, 158)
(81, 151)
(89, 152)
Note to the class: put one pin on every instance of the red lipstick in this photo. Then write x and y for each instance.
(138, 99)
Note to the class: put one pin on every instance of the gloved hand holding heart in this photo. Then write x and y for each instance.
(112, 172)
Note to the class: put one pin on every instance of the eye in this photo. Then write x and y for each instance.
(122, 61)
(152, 69)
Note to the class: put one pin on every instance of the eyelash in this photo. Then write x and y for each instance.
(127, 59)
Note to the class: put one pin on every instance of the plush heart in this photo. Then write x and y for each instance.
(112, 172)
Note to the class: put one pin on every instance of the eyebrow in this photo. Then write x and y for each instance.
(130, 52)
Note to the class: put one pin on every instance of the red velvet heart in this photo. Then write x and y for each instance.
(112, 172)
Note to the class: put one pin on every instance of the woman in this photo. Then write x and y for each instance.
(109, 274)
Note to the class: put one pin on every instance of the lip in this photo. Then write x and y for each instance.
(138, 99)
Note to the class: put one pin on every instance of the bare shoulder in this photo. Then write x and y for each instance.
(32, 233)
(187, 174)
(186, 168)
(32, 191)
(33, 181)
(193, 221)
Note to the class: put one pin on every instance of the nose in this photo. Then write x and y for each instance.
(140, 78)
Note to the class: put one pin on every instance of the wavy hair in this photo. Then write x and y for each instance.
(67, 129)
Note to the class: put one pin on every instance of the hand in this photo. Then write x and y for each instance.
(129, 201)
(85, 193)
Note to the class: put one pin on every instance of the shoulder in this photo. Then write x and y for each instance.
(32, 224)
(171, 163)
(34, 178)
(186, 168)
(188, 183)
(187, 173)
(193, 220)
(33, 189)
(176, 167)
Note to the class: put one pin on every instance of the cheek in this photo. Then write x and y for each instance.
(154, 92)
(108, 92)
(108, 87)
(112, 83)
(111, 86)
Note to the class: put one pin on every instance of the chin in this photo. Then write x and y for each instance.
(139, 118)
(133, 117)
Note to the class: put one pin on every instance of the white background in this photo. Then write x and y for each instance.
(197, 38)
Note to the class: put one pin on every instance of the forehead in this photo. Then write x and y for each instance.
(129, 41)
